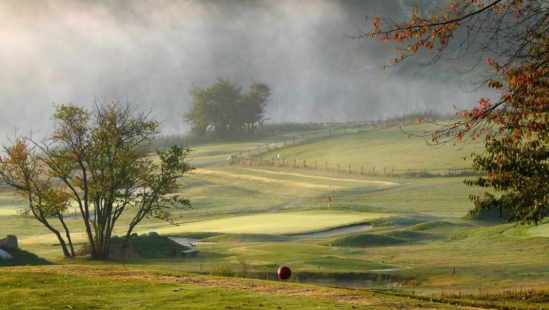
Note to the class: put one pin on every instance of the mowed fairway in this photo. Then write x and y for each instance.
(275, 223)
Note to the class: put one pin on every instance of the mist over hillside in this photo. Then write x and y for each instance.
(151, 52)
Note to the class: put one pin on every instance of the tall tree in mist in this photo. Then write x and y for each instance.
(253, 107)
(512, 36)
(223, 109)
(101, 163)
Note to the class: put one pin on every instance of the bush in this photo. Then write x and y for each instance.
(222, 270)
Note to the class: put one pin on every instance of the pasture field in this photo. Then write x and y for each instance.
(416, 235)
(387, 148)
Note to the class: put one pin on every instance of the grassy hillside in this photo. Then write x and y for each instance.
(397, 234)
(387, 148)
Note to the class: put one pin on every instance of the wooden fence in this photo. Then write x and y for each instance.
(252, 157)
(336, 167)
(322, 131)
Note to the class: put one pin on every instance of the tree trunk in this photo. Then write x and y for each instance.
(58, 235)
(67, 233)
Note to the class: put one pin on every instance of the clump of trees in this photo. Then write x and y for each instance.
(101, 163)
(224, 110)
(512, 37)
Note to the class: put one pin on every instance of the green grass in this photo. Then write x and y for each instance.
(85, 287)
(379, 149)
(46, 290)
(539, 231)
(420, 230)
(274, 223)
(366, 240)
(306, 258)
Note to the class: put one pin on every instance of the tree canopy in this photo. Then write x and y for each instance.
(101, 163)
(223, 109)
(512, 37)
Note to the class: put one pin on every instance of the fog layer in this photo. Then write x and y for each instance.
(151, 52)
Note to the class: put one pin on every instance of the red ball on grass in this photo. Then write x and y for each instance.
(284, 272)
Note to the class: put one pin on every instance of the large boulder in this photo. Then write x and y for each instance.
(5, 255)
(9, 243)
(153, 234)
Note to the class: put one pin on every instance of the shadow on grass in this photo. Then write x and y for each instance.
(380, 240)
(23, 258)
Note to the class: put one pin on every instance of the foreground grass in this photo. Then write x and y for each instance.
(111, 287)
(87, 287)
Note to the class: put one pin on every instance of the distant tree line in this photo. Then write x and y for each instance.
(225, 111)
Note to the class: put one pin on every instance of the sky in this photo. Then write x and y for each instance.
(151, 52)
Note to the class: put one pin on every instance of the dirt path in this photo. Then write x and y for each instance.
(294, 183)
(267, 180)
(325, 178)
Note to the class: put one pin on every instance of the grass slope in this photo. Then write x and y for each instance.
(250, 213)
(386, 148)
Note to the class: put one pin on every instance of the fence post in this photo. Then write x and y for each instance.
(362, 170)
(283, 162)
(304, 165)
(294, 162)
(384, 172)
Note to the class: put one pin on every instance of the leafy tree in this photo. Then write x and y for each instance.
(223, 108)
(99, 161)
(254, 104)
(512, 36)
(22, 170)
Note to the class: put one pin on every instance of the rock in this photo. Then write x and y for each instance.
(9, 243)
(5, 255)
(153, 234)
(134, 235)
(143, 235)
